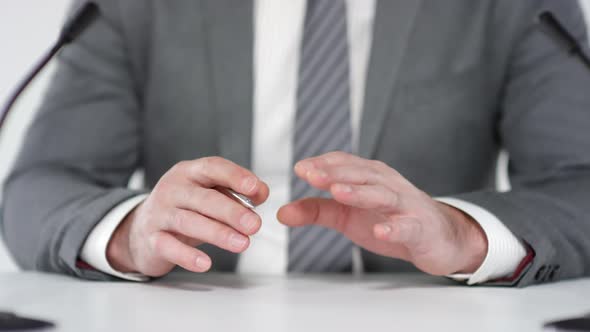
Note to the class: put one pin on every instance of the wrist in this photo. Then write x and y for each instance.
(472, 242)
(118, 251)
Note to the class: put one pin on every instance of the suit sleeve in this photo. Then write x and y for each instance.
(78, 155)
(545, 126)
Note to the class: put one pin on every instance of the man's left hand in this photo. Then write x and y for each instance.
(381, 211)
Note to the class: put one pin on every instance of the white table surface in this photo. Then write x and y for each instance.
(218, 302)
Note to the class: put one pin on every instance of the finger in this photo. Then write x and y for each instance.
(334, 165)
(328, 159)
(323, 178)
(376, 197)
(402, 230)
(171, 249)
(199, 227)
(217, 206)
(319, 211)
(215, 171)
(261, 195)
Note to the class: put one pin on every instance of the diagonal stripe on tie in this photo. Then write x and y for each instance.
(322, 125)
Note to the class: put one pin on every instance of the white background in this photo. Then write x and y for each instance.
(27, 28)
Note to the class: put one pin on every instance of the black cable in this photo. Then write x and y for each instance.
(80, 21)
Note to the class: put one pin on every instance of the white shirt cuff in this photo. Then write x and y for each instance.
(505, 251)
(94, 251)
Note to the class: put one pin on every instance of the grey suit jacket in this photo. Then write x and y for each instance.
(449, 84)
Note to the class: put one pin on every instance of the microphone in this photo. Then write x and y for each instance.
(82, 18)
(562, 37)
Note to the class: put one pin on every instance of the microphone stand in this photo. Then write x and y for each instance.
(80, 21)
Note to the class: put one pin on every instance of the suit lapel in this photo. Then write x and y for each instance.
(231, 42)
(393, 24)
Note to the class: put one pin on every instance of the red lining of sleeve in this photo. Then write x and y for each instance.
(83, 265)
(528, 259)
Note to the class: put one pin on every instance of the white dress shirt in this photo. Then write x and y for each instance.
(278, 34)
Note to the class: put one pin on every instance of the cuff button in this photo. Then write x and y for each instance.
(540, 275)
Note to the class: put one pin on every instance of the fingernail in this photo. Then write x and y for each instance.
(315, 174)
(202, 262)
(303, 167)
(248, 221)
(385, 229)
(237, 241)
(322, 174)
(249, 185)
(344, 188)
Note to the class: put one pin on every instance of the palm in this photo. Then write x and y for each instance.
(358, 226)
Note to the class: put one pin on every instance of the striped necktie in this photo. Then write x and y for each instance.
(322, 125)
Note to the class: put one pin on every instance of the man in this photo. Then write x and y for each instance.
(374, 126)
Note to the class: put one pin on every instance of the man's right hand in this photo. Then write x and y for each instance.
(183, 211)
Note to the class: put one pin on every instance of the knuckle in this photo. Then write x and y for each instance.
(162, 188)
(147, 210)
(382, 203)
(156, 241)
(331, 154)
(378, 164)
(337, 154)
(342, 215)
(385, 198)
(332, 157)
(374, 173)
(393, 200)
(208, 197)
(368, 199)
(207, 162)
(243, 175)
(326, 162)
(213, 159)
(179, 167)
(223, 236)
(148, 214)
(396, 173)
(175, 221)
(199, 167)
(184, 195)
(235, 213)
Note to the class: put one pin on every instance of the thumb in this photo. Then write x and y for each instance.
(319, 211)
(403, 230)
